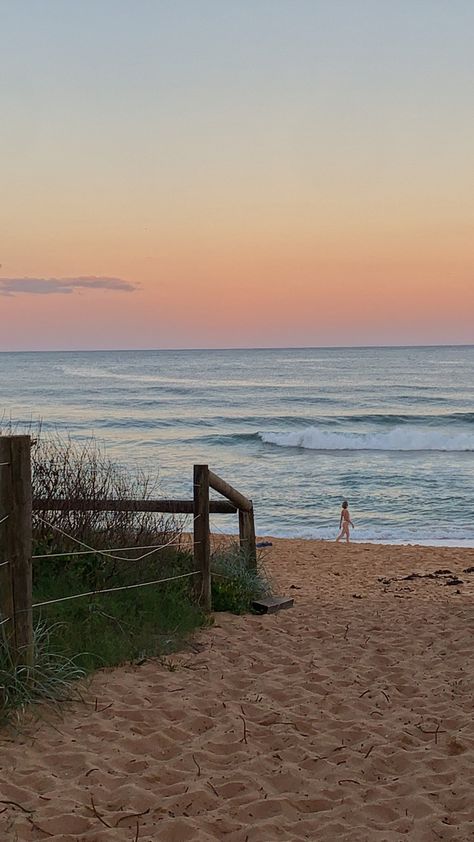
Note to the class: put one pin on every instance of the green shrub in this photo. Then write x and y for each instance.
(235, 583)
(113, 628)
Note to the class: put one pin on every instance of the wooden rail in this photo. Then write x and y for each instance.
(246, 516)
(177, 507)
(226, 490)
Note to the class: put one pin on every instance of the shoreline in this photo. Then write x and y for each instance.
(447, 543)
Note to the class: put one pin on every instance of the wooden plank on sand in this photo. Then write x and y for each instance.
(272, 604)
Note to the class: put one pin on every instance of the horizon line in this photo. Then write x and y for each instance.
(237, 348)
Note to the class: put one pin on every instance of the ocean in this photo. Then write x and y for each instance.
(297, 430)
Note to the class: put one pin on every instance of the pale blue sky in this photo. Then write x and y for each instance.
(272, 119)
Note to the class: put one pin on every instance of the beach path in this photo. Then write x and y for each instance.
(347, 717)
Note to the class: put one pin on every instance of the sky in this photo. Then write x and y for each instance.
(236, 173)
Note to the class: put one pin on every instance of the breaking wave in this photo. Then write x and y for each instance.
(397, 439)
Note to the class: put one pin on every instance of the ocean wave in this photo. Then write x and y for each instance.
(387, 418)
(401, 438)
(379, 419)
(228, 439)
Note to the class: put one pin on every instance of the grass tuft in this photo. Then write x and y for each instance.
(48, 679)
(235, 583)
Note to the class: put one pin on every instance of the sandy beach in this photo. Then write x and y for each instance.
(346, 717)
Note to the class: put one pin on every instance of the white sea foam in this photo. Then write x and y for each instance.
(398, 439)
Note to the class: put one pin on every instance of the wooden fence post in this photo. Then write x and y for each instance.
(15, 544)
(6, 591)
(247, 536)
(202, 549)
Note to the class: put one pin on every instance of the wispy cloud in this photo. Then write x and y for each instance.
(62, 286)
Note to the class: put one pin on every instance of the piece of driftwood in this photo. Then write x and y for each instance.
(272, 604)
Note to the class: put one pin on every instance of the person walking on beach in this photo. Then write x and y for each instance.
(345, 522)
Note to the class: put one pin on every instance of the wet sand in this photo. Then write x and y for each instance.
(346, 717)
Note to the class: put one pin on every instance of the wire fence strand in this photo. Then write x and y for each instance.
(105, 553)
(4, 519)
(6, 620)
(108, 550)
(3, 563)
(112, 590)
(4, 464)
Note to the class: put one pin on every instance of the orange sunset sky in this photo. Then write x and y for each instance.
(249, 173)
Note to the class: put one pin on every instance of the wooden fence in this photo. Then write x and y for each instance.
(16, 515)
